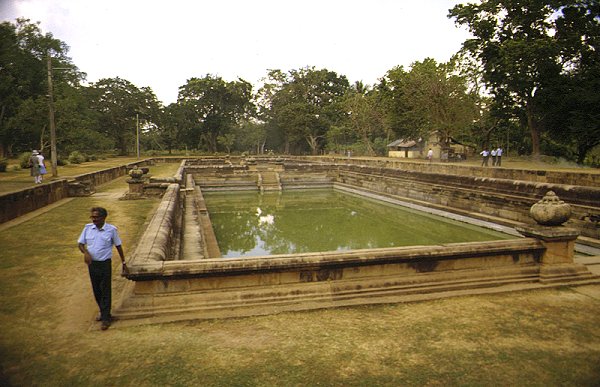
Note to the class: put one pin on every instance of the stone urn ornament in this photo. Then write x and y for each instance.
(550, 211)
(136, 173)
(136, 184)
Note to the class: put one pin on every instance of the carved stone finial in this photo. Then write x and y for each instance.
(550, 211)
(136, 173)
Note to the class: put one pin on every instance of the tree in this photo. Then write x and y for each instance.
(304, 104)
(118, 103)
(171, 133)
(251, 136)
(215, 107)
(572, 105)
(572, 101)
(266, 96)
(429, 97)
(524, 46)
(365, 117)
(23, 83)
(226, 141)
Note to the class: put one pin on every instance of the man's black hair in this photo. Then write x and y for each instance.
(101, 210)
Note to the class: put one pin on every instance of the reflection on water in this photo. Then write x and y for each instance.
(251, 224)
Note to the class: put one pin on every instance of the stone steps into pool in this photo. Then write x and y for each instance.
(269, 181)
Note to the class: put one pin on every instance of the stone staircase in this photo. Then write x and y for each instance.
(269, 181)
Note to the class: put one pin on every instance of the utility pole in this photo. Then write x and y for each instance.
(51, 119)
(137, 135)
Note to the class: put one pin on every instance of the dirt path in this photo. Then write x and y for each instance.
(77, 305)
(78, 308)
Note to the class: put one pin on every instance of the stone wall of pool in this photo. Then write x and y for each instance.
(164, 287)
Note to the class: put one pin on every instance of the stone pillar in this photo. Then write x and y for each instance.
(135, 187)
(136, 184)
(557, 263)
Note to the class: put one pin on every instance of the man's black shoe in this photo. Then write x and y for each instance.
(99, 317)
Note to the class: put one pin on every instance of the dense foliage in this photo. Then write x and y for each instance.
(540, 61)
(527, 80)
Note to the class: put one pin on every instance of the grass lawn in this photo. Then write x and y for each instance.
(16, 178)
(520, 162)
(49, 336)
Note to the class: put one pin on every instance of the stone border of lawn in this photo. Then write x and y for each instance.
(18, 203)
(583, 178)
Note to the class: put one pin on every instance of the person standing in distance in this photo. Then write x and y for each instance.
(96, 242)
(34, 164)
(485, 154)
(499, 157)
(43, 170)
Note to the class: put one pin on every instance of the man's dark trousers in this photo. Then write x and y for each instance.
(100, 275)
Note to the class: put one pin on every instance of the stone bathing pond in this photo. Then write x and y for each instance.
(303, 221)
(258, 236)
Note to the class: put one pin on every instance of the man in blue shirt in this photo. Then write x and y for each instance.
(499, 157)
(96, 242)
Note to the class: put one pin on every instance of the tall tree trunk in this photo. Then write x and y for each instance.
(3, 151)
(42, 138)
(213, 143)
(370, 150)
(533, 129)
(313, 142)
(487, 137)
(581, 155)
(122, 146)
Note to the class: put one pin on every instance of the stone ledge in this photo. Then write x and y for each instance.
(549, 233)
(144, 310)
(320, 260)
(162, 233)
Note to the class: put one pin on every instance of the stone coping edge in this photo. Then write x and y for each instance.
(150, 270)
(157, 240)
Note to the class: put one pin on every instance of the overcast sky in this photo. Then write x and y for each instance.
(162, 44)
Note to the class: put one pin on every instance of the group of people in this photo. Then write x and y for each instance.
(495, 154)
(37, 166)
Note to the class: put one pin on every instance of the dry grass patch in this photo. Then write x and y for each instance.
(545, 337)
(16, 179)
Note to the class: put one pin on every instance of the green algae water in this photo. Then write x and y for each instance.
(291, 222)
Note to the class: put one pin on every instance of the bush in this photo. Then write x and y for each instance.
(3, 165)
(24, 160)
(76, 157)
